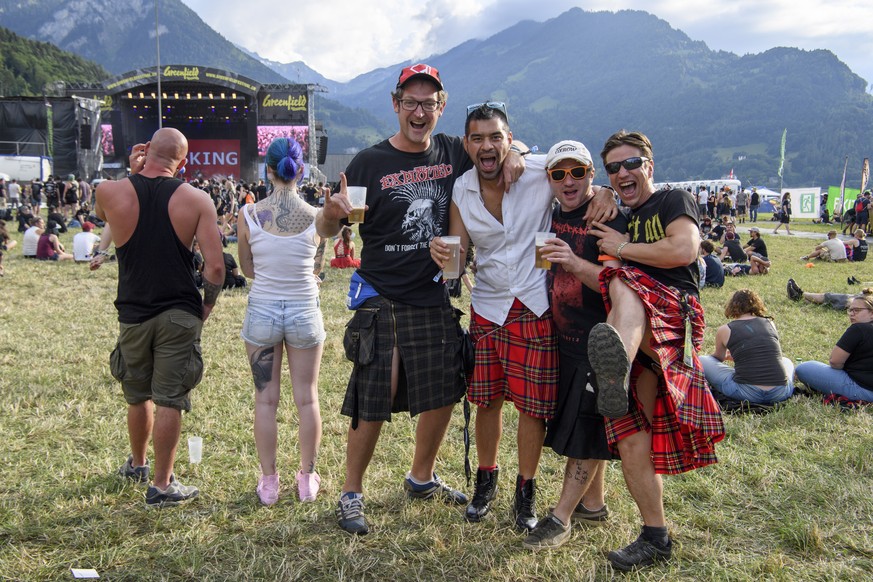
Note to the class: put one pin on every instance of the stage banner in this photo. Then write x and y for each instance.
(213, 158)
(283, 107)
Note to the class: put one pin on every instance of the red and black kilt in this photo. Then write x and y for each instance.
(687, 420)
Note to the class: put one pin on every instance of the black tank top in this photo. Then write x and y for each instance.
(155, 270)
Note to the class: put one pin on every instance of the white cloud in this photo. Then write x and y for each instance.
(343, 38)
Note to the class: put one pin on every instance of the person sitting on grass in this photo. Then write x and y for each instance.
(732, 248)
(849, 371)
(830, 250)
(752, 342)
(714, 269)
(49, 247)
(858, 246)
(344, 251)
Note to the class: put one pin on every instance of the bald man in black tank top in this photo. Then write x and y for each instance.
(155, 219)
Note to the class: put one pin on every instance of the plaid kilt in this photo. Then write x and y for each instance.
(429, 341)
(687, 420)
(518, 361)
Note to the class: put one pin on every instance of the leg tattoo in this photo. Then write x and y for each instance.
(262, 367)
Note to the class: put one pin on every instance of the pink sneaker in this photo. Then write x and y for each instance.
(308, 485)
(268, 489)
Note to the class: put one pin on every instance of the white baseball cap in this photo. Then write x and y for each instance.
(568, 150)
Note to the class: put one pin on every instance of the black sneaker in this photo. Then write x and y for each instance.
(483, 495)
(611, 366)
(639, 554)
(135, 474)
(590, 517)
(434, 489)
(549, 533)
(795, 293)
(350, 514)
(173, 495)
(524, 507)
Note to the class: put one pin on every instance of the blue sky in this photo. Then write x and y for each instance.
(343, 38)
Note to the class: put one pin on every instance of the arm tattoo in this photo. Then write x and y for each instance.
(319, 256)
(262, 367)
(211, 291)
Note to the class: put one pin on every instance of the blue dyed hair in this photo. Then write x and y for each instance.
(285, 158)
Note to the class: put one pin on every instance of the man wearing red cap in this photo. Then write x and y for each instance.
(408, 357)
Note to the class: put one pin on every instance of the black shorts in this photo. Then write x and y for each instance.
(576, 431)
(429, 339)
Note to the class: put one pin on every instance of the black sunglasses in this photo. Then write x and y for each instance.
(628, 164)
(576, 172)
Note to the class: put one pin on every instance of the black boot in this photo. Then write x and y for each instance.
(524, 508)
(484, 494)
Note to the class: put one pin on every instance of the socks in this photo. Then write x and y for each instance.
(416, 483)
(487, 469)
(657, 535)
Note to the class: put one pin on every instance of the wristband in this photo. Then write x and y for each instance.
(618, 250)
(516, 149)
(102, 254)
(609, 188)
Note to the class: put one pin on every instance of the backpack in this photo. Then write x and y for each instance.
(859, 205)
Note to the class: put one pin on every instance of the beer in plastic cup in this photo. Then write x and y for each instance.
(358, 199)
(195, 449)
(452, 268)
(540, 241)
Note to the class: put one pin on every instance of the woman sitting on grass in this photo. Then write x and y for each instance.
(849, 371)
(761, 374)
(344, 249)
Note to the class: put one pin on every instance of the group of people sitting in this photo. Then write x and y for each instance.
(748, 259)
(751, 340)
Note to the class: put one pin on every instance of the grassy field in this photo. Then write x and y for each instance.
(790, 499)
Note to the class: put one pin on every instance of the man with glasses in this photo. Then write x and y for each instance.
(511, 323)
(415, 363)
(647, 350)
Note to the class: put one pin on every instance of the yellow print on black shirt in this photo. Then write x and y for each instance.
(653, 231)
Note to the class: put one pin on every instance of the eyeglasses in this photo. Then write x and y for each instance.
(628, 164)
(854, 310)
(412, 105)
(576, 172)
(495, 105)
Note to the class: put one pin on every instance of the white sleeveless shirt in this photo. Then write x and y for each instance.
(283, 264)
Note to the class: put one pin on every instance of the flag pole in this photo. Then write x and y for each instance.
(782, 158)
(158, 68)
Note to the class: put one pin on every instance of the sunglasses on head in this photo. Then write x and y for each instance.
(496, 105)
(628, 164)
(576, 172)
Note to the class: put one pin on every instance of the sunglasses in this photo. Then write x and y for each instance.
(628, 164)
(576, 172)
(495, 105)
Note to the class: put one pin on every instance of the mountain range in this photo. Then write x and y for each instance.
(581, 75)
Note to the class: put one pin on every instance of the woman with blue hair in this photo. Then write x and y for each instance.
(278, 248)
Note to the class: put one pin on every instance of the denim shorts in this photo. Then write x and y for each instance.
(296, 323)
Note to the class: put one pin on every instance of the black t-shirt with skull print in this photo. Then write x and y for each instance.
(408, 197)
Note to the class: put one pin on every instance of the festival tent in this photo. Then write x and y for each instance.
(769, 199)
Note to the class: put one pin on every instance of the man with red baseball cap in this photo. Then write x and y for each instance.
(413, 360)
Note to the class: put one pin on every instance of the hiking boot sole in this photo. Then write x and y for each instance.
(611, 366)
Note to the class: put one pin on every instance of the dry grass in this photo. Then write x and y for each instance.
(790, 499)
